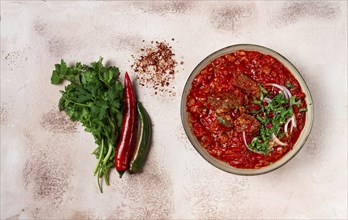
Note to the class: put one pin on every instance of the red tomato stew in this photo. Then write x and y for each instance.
(246, 109)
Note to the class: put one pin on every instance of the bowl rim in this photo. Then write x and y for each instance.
(224, 166)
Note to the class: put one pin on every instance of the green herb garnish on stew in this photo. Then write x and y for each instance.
(272, 117)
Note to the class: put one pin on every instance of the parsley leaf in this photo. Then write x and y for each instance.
(289, 85)
(294, 102)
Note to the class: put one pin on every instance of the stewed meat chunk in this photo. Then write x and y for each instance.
(248, 85)
(247, 123)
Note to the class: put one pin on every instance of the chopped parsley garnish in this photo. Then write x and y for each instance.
(224, 121)
(273, 116)
(289, 85)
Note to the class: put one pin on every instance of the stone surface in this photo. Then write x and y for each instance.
(46, 166)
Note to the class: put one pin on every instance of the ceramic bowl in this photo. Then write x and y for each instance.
(221, 164)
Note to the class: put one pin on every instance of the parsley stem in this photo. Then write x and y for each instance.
(108, 154)
(101, 171)
(80, 104)
(101, 79)
(106, 177)
(100, 157)
(95, 150)
(99, 180)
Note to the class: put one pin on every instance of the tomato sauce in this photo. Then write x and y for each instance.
(220, 101)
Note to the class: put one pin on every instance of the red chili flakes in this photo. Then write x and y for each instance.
(155, 67)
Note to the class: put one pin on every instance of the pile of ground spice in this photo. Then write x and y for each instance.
(155, 67)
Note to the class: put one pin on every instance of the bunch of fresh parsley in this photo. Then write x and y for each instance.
(95, 98)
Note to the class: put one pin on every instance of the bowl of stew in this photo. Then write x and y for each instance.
(246, 109)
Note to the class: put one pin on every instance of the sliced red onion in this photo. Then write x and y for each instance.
(244, 139)
(293, 123)
(286, 125)
(287, 91)
(294, 120)
(268, 100)
(284, 90)
(277, 141)
(246, 144)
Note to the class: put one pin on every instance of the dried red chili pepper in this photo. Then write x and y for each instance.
(124, 148)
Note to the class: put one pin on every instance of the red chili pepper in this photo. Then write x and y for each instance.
(124, 148)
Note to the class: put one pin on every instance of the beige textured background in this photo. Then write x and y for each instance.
(46, 166)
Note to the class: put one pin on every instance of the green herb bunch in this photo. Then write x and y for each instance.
(273, 116)
(95, 98)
